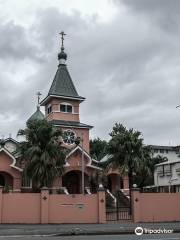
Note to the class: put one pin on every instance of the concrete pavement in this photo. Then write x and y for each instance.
(81, 229)
(174, 236)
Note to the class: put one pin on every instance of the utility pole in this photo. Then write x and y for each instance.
(82, 164)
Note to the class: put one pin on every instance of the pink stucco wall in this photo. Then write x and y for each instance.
(56, 114)
(156, 207)
(47, 208)
(5, 167)
(73, 209)
(76, 160)
(63, 116)
(20, 208)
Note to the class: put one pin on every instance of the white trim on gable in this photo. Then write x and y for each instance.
(92, 166)
(86, 154)
(94, 160)
(11, 140)
(80, 149)
(13, 158)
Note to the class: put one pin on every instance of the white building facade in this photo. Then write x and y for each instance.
(167, 174)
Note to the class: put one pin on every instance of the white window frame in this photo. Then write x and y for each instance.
(66, 104)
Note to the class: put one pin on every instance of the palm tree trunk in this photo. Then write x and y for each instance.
(130, 176)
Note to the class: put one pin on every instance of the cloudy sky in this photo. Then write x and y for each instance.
(123, 56)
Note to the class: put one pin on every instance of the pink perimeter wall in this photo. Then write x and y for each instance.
(73, 209)
(20, 208)
(44, 208)
(156, 207)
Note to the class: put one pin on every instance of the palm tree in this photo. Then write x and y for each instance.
(41, 151)
(98, 148)
(126, 152)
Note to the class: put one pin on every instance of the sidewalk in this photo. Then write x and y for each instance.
(81, 229)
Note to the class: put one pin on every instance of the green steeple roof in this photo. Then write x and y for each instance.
(62, 84)
(38, 115)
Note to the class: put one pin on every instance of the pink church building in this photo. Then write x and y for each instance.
(62, 105)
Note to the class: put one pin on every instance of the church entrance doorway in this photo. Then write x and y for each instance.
(2, 180)
(6, 180)
(115, 182)
(71, 181)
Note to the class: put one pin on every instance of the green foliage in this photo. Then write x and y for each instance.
(127, 151)
(98, 148)
(44, 157)
(125, 147)
(7, 188)
(131, 156)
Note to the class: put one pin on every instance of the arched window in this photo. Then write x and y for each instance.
(66, 108)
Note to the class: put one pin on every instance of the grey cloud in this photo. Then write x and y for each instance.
(163, 12)
(128, 70)
(15, 42)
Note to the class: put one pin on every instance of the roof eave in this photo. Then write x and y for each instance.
(71, 126)
(45, 100)
(11, 139)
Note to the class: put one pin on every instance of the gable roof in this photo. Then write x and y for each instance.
(79, 148)
(13, 165)
(10, 139)
(90, 162)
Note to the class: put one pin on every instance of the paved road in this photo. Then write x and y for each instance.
(102, 237)
(67, 229)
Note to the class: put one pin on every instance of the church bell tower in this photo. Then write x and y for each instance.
(62, 105)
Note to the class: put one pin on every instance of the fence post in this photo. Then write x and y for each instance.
(101, 205)
(136, 205)
(1, 196)
(117, 211)
(44, 205)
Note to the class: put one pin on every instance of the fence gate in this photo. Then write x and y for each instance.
(118, 214)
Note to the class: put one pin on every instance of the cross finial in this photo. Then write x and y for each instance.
(62, 38)
(38, 97)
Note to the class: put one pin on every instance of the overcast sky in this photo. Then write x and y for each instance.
(123, 56)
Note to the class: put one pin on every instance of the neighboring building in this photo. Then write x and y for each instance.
(167, 173)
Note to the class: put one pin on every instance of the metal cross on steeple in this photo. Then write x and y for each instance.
(62, 38)
(38, 97)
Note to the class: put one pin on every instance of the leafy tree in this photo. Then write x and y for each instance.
(127, 152)
(98, 148)
(44, 157)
